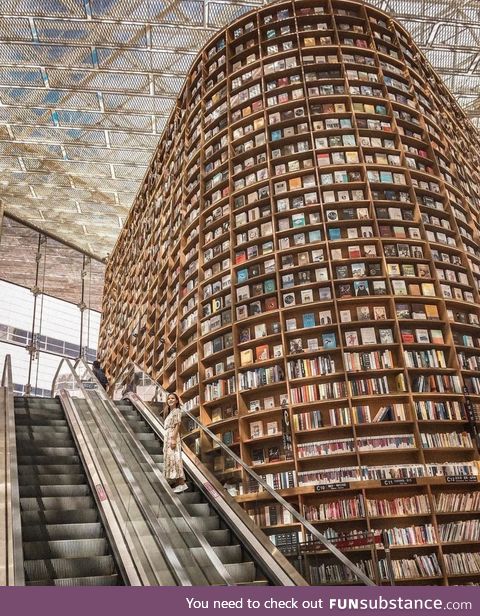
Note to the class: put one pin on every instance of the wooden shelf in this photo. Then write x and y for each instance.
(342, 195)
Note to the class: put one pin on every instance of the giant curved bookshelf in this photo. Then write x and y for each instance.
(302, 264)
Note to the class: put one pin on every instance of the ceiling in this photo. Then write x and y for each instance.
(86, 87)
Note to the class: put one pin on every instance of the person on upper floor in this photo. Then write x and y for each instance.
(100, 374)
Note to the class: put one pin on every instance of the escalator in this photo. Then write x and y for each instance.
(87, 503)
(239, 564)
(64, 540)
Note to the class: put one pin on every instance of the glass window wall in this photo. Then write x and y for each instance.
(50, 302)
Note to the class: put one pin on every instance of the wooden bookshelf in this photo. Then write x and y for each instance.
(302, 265)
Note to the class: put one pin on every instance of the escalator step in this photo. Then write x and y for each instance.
(153, 446)
(34, 444)
(66, 548)
(46, 431)
(145, 436)
(125, 407)
(241, 572)
(202, 524)
(51, 532)
(217, 537)
(24, 421)
(29, 479)
(39, 403)
(39, 460)
(229, 554)
(38, 434)
(99, 580)
(58, 503)
(42, 569)
(34, 491)
(50, 469)
(34, 400)
(66, 516)
(198, 509)
(139, 427)
(132, 416)
(38, 450)
(190, 497)
(39, 413)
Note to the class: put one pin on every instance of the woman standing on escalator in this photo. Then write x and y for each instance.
(173, 468)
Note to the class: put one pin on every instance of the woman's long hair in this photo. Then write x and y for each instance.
(166, 408)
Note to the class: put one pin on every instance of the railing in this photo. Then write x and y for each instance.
(11, 550)
(158, 504)
(135, 380)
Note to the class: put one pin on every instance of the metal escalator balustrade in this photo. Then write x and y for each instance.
(11, 551)
(139, 387)
(64, 542)
(264, 568)
(171, 525)
(238, 563)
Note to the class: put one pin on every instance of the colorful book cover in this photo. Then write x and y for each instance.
(329, 341)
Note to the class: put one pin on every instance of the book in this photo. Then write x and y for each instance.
(361, 288)
(306, 296)
(436, 336)
(217, 414)
(368, 335)
(385, 336)
(422, 336)
(382, 414)
(379, 313)
(399, 287)
(308, 319)
(329, 340)
(363, 313)
(354, 252)
(277, 350)
(351, 338)
(428, 289)
(379, 287)
(345, 290)
(271, 303)
(256, 429)
(325, 317)
(291, 324)
(258, 456)
(269, 402)
(262, 352)
(431, 311)
(272, 427)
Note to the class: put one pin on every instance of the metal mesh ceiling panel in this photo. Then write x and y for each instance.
(86, 87)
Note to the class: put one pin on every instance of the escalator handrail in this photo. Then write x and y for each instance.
(159, 534)
(298, 516)
(14, 571)
(128, 564)
(218, 565)
(250, 534)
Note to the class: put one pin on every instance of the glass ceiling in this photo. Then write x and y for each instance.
(86, 87)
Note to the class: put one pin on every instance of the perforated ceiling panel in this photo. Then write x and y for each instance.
(86, 87)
